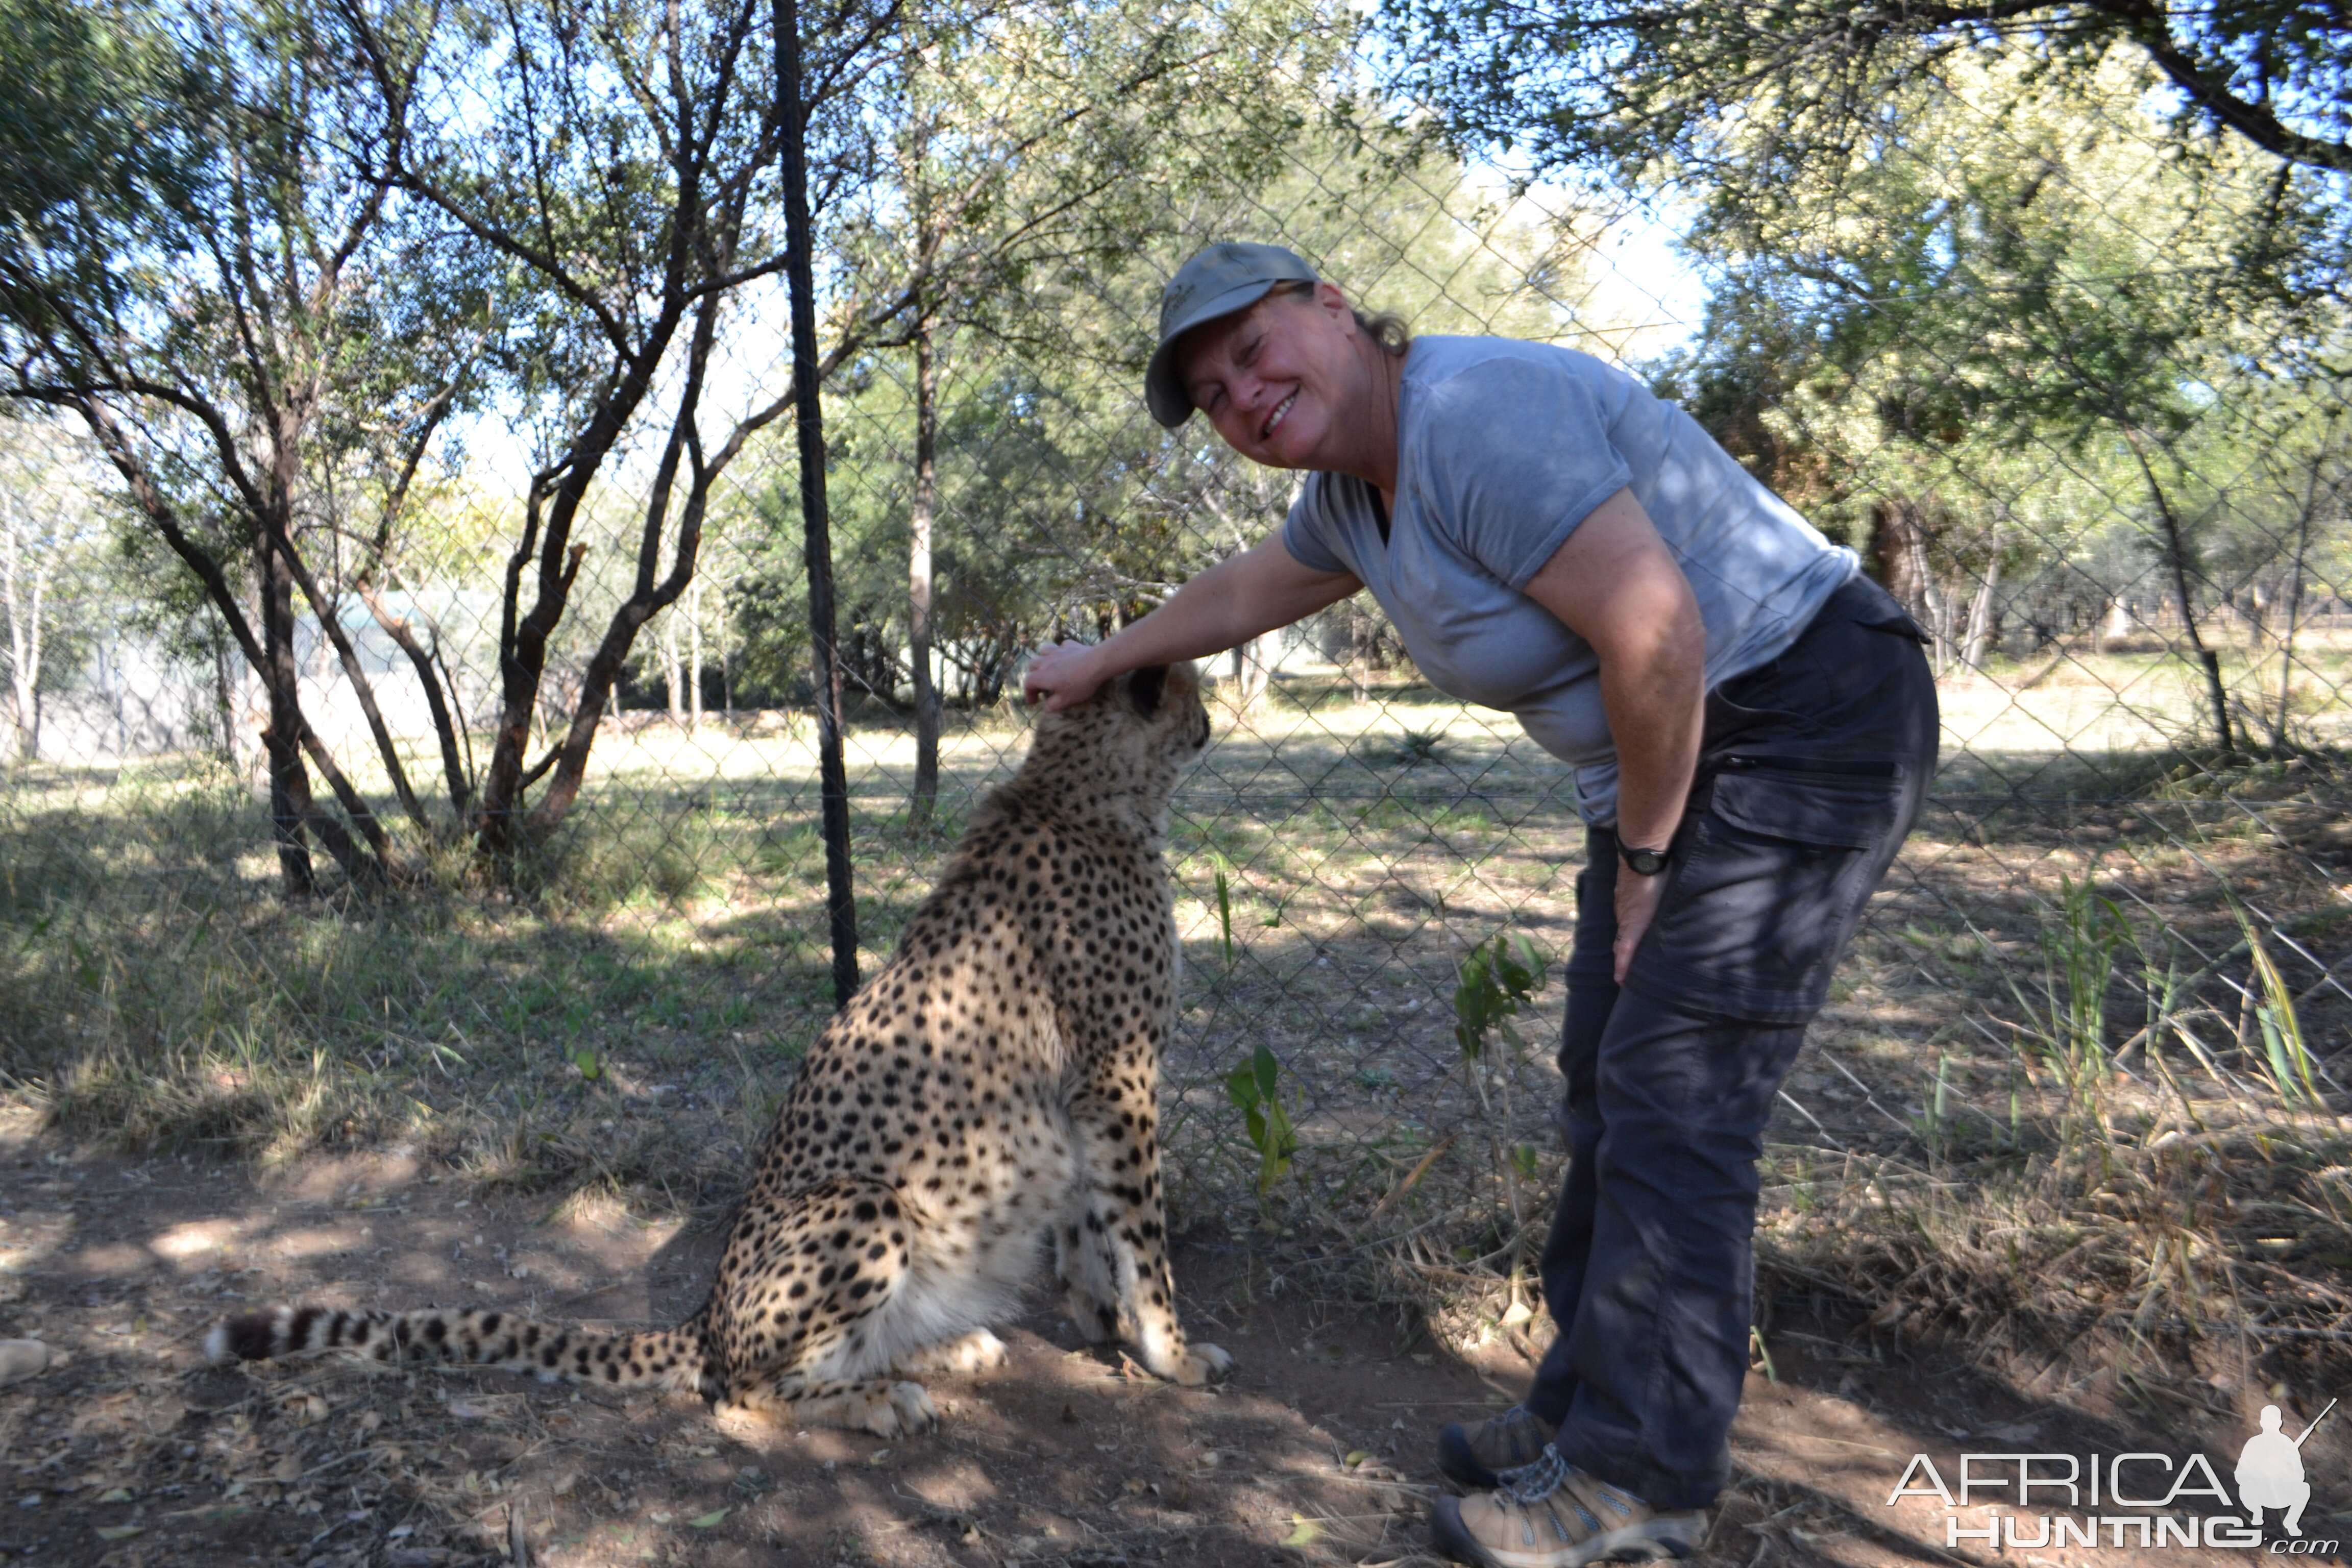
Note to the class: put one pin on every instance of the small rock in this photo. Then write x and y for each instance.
(21, 1359)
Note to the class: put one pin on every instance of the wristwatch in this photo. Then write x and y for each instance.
(1642, 862)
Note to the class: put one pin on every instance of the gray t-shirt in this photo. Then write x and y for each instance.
(1503, 448)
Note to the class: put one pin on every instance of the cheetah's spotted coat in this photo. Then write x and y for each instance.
(994, 1083)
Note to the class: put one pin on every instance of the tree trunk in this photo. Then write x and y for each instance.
(694, 659)
(1980, 614)
(1899, 546)
(429, 674)
(290, 807)
(271, 656)
(225, 702)
(1254, 664)
(669, 670)
(919, 580)
(24, 638)
(331, 628)
(569, 757)
(2293, 609)
(2176, 561)
(1360, 655)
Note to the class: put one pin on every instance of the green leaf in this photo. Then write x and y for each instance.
(1275, 1151)
(120, 1531)
(1255, 1087)
(710, 1521)
(2275, 1047)
(1226, 913)
(1303, 1531)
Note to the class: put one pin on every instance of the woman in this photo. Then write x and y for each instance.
(1752, 726)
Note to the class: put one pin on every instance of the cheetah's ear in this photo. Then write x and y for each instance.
(1145, 687)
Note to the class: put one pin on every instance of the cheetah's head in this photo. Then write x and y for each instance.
(1129, 743)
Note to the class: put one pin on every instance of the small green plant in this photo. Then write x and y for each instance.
(2067, 1029)
(1497, 980)
(1255, 1087)
(1498, 977)
(2282, 1028)
(1935, 1122)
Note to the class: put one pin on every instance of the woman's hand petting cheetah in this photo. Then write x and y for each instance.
(996, 1083)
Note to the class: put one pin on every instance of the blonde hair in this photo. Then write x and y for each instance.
(1385, 328)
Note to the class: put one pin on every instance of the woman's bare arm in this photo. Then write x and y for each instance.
(1616, 584)
(1240, 597)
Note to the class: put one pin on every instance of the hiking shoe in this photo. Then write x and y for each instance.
(1473, 1457)
(1550, 1514)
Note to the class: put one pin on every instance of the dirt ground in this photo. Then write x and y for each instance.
(130, 1451)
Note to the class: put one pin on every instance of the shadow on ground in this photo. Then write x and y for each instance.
(133, 1453)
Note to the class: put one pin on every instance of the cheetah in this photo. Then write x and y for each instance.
(993, 1086)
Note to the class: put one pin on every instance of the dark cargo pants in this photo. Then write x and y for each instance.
(1810, 771)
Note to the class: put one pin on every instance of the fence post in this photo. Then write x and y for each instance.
(816, 531)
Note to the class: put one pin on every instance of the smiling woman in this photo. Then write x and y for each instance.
(1752, 727)
(1250, 372)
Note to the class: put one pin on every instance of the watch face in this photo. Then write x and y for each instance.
(1646, 862)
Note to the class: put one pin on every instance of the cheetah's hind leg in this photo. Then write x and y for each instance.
(978, 1351)
(1089, 1275)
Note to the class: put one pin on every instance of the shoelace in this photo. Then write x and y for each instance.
(1512, 1420)
(1534, 1482)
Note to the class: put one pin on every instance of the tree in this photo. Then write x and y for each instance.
(199, 259)
(623, 159)
(2004, 292)
(1037, 147)
(1745, 96)
(49, 535)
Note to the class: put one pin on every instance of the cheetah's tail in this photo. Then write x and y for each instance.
(676, 1358)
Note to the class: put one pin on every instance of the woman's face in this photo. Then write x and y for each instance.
(1284, 383)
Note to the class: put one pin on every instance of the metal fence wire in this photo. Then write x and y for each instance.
(2007, 360)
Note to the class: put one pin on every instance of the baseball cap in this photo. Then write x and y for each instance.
(1216, 282)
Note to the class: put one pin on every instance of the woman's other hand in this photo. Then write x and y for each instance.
(1637, 905)
(1065, 675)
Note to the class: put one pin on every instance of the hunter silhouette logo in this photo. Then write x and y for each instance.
(2270, 1471)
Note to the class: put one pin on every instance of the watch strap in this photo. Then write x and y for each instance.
(1642, 862)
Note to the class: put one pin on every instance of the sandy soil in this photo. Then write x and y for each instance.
(130, 1451)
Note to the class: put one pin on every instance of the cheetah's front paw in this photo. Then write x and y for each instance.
(901, 1409)
(1199, 1363)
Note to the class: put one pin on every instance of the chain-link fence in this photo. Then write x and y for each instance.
(2080, 1070)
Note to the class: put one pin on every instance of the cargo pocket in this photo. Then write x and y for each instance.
(1767, 887)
